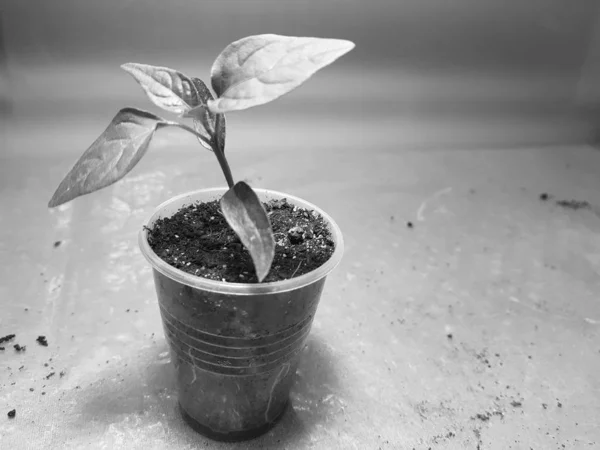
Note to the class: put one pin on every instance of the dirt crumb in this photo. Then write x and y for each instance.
(8, 337)
(574, 204)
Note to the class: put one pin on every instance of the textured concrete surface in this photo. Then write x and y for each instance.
(477, 328)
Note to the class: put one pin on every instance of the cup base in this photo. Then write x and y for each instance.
(232, 436)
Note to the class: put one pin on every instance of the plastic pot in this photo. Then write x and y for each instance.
(235, 346)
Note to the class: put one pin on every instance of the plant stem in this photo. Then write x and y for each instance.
(216, 149)
(224, 167)
(219, 151)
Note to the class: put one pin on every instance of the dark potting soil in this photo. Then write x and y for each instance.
(198, 240)
(42, 341)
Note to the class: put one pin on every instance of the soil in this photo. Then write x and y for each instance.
(544, 197)
(8, 337)
(42, 341)
(574, 204)
(12, 413)
(198, 240)
(19, 348)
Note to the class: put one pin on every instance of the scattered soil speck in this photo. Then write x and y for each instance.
(487, 415)
(19, 348)
(574, 204)
(2, 348)
(516, 404)
(57, 244)
(483, 358)
(409, 224)
(545, 405)
(12, 413)
(51, 374)
(559, 404)
(544, 197)
(8, 337)
(42, 341)
(450, 336)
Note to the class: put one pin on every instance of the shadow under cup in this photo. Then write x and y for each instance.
(235, 346)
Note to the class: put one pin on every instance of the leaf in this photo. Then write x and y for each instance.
(167, 88)
(204, 120)
(179, 94)
(118, 149)
(246, 215)
(258, 69)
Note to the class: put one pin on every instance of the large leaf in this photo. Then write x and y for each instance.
(258, 69)
(204, 119)
(167, 88)
(246, 215)
(111, 156)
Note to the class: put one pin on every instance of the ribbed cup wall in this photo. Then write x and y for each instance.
(235, 355)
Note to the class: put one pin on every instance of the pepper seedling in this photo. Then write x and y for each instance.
(249, 72)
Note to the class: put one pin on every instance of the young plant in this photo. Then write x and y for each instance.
(249, 72)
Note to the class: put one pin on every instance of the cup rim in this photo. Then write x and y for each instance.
(225, 287)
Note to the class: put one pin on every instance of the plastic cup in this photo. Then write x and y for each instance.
(235, 346)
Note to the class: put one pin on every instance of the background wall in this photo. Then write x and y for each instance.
(461, 72)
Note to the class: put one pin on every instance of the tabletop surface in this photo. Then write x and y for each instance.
(476, 328)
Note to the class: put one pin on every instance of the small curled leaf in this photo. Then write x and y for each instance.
(204, 120)
(175, 92)
(167, 88)
(258, 69)
(246, 216)
(116, 151)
